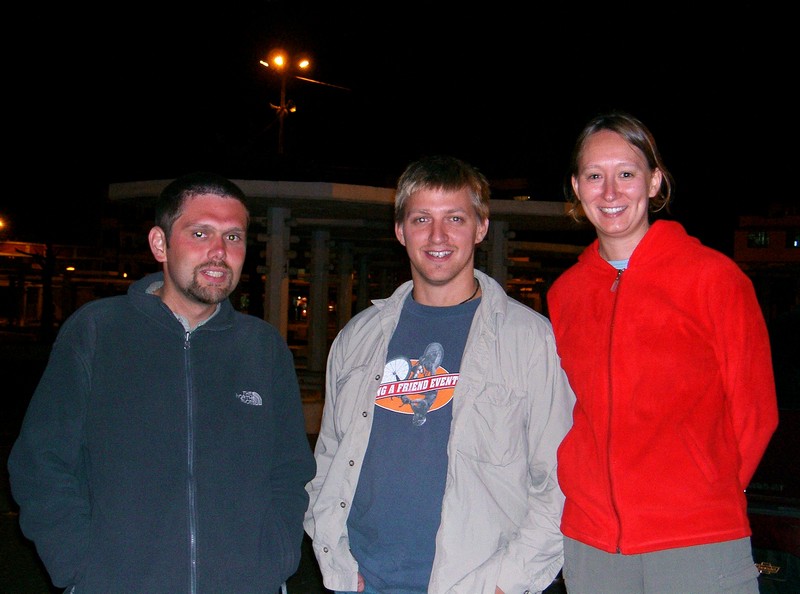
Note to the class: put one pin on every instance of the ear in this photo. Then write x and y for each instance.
(655, 182)
(575, 186)
(398, 232)
(481, 231)
(158, 244)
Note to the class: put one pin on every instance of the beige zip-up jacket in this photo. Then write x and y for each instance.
(511, 408)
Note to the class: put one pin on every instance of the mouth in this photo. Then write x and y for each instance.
(214, 274)
(438, 254)
(611, 210)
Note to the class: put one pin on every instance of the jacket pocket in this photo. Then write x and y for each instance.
(743, 572)
(275, 556)
(698, 454)
(493, 430)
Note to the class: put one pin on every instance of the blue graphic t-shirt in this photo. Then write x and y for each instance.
(398, 501)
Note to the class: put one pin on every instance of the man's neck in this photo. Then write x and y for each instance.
(455, 292)
(191, 313)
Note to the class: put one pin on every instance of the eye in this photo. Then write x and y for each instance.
(233, 237)
(198, 234)
(593, 176)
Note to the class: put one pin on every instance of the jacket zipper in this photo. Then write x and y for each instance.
(190, 486)
(614, 288)
(615, 284)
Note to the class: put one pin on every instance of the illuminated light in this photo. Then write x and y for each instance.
(70, 269)
(768, 568)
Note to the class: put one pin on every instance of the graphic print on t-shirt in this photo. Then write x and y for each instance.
(416, 386)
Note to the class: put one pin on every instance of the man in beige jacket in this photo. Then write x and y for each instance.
(444, 407)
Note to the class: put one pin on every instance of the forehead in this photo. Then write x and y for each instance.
(436, 199)
(213, 208)
(606, 145)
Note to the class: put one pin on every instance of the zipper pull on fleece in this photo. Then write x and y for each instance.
(615, 284)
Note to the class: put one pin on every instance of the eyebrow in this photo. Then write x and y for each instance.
(446, 211)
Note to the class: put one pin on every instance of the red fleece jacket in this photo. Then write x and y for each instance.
(676, 399)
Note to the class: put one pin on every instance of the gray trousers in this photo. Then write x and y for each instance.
(725, 567)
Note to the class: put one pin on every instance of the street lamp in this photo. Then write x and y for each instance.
(281, 62)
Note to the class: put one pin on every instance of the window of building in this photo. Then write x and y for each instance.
(793, 239)
(758, 239)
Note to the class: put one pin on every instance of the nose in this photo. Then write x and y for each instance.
(609, 190)
(217, 250)
(438, 232)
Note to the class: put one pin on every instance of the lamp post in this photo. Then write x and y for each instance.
(286, 66)
(281, 62)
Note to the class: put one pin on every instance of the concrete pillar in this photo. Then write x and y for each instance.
(362, 296)
(318, 301)
(385, 283)
(497, 267)
(276, 290)
(344, 297)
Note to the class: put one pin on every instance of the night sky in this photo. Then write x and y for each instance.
(144, 93)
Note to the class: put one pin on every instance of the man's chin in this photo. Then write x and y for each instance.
(212, 295)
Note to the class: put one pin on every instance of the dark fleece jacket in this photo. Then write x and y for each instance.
(155, 460)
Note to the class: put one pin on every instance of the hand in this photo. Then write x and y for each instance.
(497, 590)
(361, 585)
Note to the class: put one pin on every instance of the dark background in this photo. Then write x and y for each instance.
(145, 91)
(137, 91)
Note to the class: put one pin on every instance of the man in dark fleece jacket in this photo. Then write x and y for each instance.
(164, 449)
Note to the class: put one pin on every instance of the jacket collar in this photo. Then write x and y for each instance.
(664, 239)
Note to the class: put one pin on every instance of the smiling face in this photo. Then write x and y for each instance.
(614, 185)
(204, 256)
(439, 231)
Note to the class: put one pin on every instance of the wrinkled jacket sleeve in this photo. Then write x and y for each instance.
(744, 350)
(324, 519)
(534, 558)
(515, 504)
(45, 464)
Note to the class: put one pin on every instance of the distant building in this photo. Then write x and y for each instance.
(768, 249)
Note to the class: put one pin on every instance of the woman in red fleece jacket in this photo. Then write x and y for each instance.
(666, 348)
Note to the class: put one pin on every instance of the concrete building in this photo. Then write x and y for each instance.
(322, 251)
